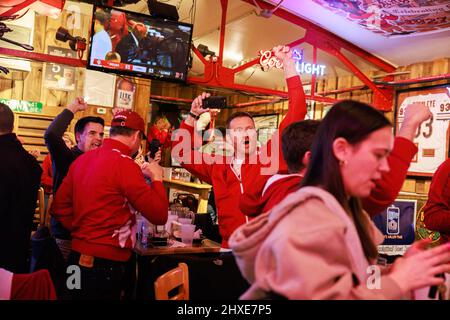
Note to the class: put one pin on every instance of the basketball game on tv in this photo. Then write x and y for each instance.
(129, 43)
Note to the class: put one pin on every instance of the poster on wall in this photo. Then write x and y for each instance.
(59, 76)
(393, 17)
(397, 224)
(265, 126)
(432, 137)
(99, 88)
(310, 104)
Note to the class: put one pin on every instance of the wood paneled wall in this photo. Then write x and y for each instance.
(29, 86)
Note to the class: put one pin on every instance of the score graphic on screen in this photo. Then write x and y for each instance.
(432, 137)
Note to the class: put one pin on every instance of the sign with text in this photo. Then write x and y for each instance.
(268, 60)
(23, 106)
(59, 76)
(397, 223)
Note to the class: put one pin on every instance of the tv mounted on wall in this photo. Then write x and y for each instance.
(135, 44)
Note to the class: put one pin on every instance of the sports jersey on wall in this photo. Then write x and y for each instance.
(432, 137)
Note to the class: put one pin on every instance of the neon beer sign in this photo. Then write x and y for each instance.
(268, 60)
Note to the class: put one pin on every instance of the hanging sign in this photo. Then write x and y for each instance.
(23, 106)
(268, 60)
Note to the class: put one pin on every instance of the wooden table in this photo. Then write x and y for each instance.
(207, 246)
(213, 275)
(198, 188)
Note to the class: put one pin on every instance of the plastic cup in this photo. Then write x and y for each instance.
(185, 220)
(170, 218)
(187, 234)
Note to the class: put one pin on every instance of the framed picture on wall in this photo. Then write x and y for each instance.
(310, 104)
(59, 76)
(432, 137)
(265, 126)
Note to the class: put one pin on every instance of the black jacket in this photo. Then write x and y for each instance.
(127, 49)
(20, 176)
(62, 158)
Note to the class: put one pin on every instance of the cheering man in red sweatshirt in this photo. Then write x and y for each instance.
(225, 174)
(97, 202)
(296, 143)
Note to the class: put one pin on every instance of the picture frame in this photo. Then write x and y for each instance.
(59, 76)
(432, 137)
(398, 225)
(266, 125)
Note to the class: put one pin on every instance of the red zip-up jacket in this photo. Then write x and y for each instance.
(47, 174)
(96, 200)
(437, 209)
(255, 201)
(227, 186)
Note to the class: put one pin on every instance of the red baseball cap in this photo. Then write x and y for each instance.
(129, 119)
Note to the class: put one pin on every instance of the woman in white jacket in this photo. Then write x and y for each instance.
(318, 243)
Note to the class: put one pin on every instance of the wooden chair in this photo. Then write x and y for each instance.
(172, 279)
(47, 213)
(39, 214)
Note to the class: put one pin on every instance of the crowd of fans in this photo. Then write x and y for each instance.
(294, 213)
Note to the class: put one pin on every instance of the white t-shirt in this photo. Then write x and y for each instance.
(101, 45)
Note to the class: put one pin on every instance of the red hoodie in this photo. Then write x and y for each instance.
(437, 209)
(47, 174)
(227, 186)
(95, 199)
(258, 200)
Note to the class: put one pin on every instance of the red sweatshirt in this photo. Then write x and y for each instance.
(437, 209)
(47, 174)
(95, 199)
(255, 201)
(227, 185)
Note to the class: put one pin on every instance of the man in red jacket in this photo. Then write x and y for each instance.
(296, 142)
(226, 173)
(437, 209)
(97, 202)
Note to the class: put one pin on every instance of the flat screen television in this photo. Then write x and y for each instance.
(135, 44)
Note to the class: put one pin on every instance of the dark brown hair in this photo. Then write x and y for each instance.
(353, 121)
(6, 119)
(239, 114)
(296, 140)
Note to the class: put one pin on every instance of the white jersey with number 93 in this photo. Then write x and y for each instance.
(432, 136)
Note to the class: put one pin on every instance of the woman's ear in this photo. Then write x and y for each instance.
(341, 149)
(306, 158)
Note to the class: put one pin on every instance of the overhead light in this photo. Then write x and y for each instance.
(204, 50)
(50, 8)
(267, 13)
